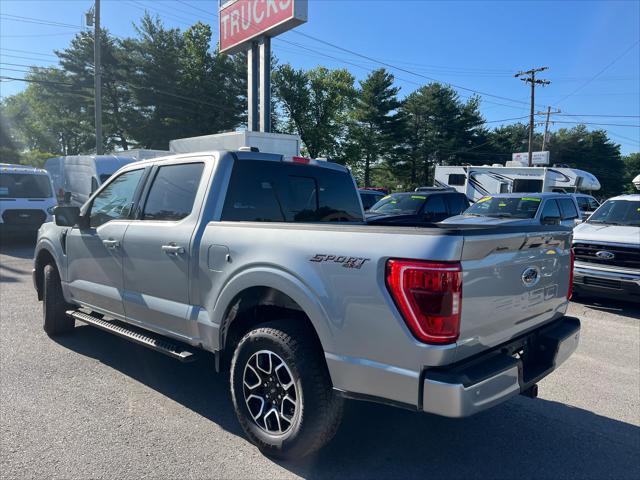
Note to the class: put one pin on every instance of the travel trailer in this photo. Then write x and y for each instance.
(478, 181)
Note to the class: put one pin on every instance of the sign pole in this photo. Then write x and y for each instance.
(252, 87)
(265, 84)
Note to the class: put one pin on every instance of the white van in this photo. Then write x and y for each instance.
(75, 178)
(27, 198)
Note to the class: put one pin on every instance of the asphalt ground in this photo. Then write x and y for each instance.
(90, 405)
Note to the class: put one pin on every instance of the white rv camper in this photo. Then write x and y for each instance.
(636, 182)
(476, 182)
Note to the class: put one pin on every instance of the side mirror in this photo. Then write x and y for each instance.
(549, 220)
(67, 216)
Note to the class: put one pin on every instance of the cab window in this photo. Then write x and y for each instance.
(435, 209)
(173, 192)
(568, 209)
(550, 209)
(115, 201)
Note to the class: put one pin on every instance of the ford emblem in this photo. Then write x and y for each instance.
(604, 255)
(531, 276)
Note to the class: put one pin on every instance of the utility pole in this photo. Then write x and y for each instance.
(97, 77)
(546, 125)
(531, 78)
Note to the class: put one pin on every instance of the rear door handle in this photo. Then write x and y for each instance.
(173, 249)
(111, 244)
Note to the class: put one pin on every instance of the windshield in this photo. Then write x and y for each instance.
(24, 185)
(501, 207)
(399, 205)
(617, 212)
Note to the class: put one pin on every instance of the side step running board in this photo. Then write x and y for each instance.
(149, 340)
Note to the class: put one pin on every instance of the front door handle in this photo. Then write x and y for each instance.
(111, 244)
(173, 249)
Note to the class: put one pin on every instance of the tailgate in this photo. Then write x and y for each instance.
(512, 283)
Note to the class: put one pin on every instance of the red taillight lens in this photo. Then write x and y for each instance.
(570, 290)
(429, 297)
(300, 160)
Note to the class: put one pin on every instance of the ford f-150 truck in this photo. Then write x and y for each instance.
(607, 249)
(268, 264)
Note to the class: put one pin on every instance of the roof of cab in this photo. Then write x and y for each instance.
(631, 197)
(240, 155)
(534, 195)
(15, 168)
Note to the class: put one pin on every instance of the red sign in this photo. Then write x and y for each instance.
(243, 20)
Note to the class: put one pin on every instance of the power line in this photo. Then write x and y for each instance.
(28, 52)
(609, 65)
(596, 115)
(26, 58)
(38, 21)
(395, 67)
(601, 124)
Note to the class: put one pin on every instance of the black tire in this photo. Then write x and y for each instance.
(317, 417)
(54, 307)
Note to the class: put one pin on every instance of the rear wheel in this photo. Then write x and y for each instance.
(282, 392)
(54, 307)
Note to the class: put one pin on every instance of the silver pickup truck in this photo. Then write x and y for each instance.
(269, 265)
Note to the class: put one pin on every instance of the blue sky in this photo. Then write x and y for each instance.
(591, 48)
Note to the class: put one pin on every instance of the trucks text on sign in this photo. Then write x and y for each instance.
(243, 20)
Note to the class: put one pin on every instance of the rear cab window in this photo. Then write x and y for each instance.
(264, 191)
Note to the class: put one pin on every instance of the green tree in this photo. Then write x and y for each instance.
(440, 129)
(631, 171)
(49, 115)
(591, 151)
(376, 124)
(117, 101)
(316, 104)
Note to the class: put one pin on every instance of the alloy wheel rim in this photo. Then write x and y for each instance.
(270, 392)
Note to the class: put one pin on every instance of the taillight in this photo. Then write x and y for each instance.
(301, 160)
(429, 297)
(570, 289)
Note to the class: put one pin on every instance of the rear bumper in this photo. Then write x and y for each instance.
(493, 377)
(606, 281)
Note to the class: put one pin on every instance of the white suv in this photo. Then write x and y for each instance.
(27, 198)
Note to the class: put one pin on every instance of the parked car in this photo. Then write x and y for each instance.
(424, 206)
(586, 203)
(26, 198)
(268, 264)
(370, 198)
(76, 177)
(607, 250)
(524, 209)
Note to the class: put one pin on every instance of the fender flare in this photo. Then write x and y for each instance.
(44, 245)
(283, 281)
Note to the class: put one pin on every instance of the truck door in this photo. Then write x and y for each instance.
(94, 268)
(157, 254)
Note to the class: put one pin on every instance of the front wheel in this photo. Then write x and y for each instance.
(282, 392)
(54, 307)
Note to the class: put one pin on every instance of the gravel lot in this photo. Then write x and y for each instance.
(92, 405)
